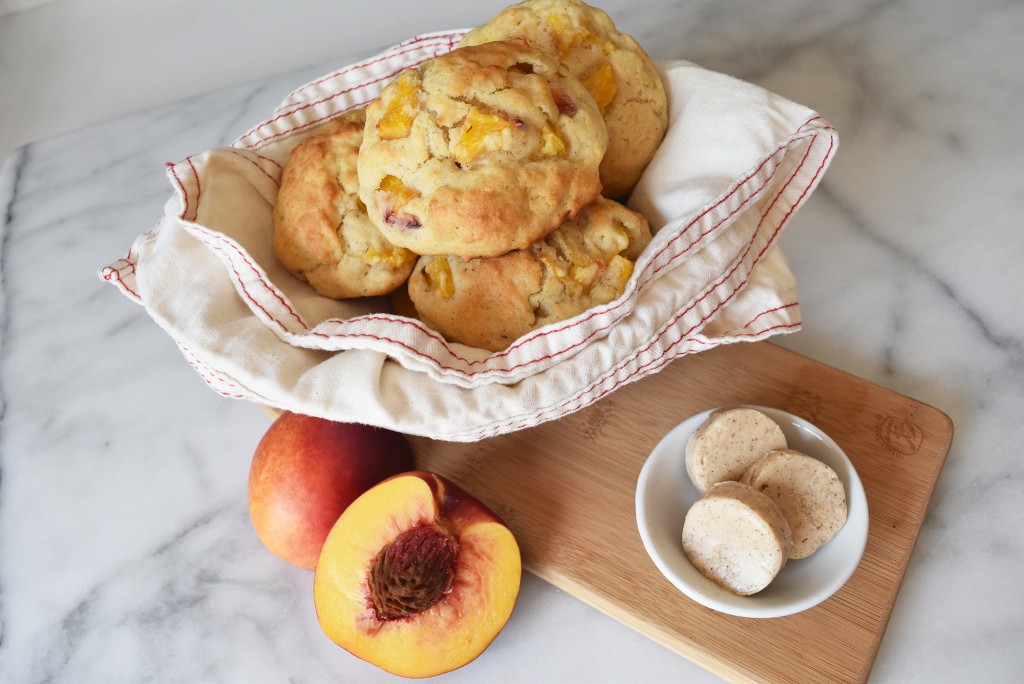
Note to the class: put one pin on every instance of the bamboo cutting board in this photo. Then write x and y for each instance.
(566, 489)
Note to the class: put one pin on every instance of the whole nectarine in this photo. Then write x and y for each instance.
(417, 576)
(307, 470)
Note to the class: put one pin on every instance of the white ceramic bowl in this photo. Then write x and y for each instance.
(664, 494)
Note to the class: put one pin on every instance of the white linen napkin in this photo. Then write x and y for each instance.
(736, 163)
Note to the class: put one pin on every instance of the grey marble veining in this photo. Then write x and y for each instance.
(125, 548)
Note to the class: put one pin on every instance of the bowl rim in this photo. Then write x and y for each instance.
(853, 535)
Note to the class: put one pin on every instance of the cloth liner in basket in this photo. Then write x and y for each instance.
(736, 163)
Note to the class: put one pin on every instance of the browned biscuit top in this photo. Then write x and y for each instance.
(480, 151)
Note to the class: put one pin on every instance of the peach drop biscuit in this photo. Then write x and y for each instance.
(321, 231)
(480, 151)
(612, 65)
(491, 302)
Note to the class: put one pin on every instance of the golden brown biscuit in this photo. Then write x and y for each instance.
(490, 302)
(321, 231)
(480, 151)
(611, 64)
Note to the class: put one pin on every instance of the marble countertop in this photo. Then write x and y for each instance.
(126, 553)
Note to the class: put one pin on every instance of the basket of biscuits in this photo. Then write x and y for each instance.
(478, 231)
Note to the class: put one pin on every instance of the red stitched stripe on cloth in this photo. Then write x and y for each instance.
(234, 254)
(111, 274)
(769, 311)
(215, 380)
(448, 39)
(252, 161)
(299, 106)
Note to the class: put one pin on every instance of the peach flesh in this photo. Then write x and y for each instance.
(396, 520)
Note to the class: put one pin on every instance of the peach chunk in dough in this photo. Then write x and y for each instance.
(417, 576)
(480, 132)
(600, 83)
(400, 111)
(398, 195)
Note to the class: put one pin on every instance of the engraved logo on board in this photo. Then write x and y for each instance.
(900, 435)
(594, 419)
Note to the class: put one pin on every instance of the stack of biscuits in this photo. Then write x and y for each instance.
(483, 182)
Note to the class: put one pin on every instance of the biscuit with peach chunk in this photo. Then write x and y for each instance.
(491, 302)
(321, 231)
(612, 65)
(480, 151)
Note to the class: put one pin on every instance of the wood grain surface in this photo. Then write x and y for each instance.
(566, 489)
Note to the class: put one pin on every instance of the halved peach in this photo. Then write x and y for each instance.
(417, 576)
